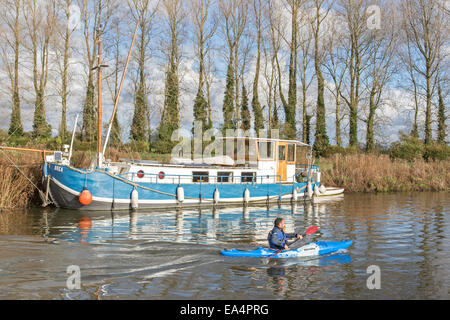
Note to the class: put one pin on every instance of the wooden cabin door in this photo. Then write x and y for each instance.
(281, 161)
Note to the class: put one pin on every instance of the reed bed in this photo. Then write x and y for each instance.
(16, 191)
(379, 173)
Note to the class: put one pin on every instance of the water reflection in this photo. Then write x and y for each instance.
(84, 228)
(247, 225)
(280, 271)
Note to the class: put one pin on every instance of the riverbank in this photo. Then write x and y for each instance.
(18, 173)
(354, 172)
(380, 173)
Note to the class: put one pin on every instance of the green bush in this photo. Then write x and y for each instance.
(436, 152)
(138, 146)
(408, 148)
(411, 148)
(331, 150)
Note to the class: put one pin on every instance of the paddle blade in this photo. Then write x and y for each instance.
(311, 230)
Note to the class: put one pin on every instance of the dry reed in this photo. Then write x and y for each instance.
(379, 173)
(16, 191)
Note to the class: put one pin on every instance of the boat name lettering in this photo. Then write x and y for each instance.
(58, 168)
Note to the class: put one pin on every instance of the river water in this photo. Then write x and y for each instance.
(175, 254)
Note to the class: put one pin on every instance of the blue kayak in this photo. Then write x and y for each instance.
(312, 249)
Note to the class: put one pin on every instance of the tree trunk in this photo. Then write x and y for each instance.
(257, 111)
(428, 138)
(16, 127)
(370, 123)
(442, 128)
(338, 121)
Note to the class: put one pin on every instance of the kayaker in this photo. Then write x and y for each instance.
(278, 238)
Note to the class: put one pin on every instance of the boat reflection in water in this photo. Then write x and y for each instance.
(246, 225)
(84, 225)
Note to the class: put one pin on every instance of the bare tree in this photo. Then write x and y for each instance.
(380, 68)
(170, 119)
(354, 13)
(321, 9)
(113, 46)
(142, 12)
(290, 130)
(204, 28)
(11, 42)
(234, 14)
(336, 68)
(63, 52)
(272, 45)
(257, 109)
(423, 24)
(94, 16)
(40, 19)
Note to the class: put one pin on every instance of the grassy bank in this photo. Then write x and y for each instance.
(380, 173)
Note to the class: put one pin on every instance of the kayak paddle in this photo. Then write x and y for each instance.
(309, 231)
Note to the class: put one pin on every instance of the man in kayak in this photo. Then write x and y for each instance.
(277, 238)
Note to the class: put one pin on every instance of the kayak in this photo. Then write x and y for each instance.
(312, 249)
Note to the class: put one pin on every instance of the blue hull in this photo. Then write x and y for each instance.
(111, 192)
(312, 249)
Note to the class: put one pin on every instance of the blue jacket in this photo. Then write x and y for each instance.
(277, 238)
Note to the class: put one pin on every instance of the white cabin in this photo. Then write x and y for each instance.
(265, 160)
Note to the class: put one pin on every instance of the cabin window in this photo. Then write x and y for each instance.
(57, 155)
(265, 150)
(200, 176)
(291, 152)
(224, 177)
(248, 176)
(282, 152)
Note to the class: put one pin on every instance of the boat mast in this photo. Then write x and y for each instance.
(120, 89)
(99, 146)
(99, 108)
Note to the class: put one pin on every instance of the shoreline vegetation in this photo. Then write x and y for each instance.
(406, 166)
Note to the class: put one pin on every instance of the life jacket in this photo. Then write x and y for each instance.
(277, 238)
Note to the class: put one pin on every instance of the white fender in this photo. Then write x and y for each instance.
(317, 176)
(316, 190)
(134, 199)
(294, 195)
(216, 195)
(246, 195)
(309, 190)
(180, 194)
(322, 189)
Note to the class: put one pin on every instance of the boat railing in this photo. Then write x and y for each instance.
(306, 166)
(199, 178)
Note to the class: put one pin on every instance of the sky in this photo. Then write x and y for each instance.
(394, 115)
